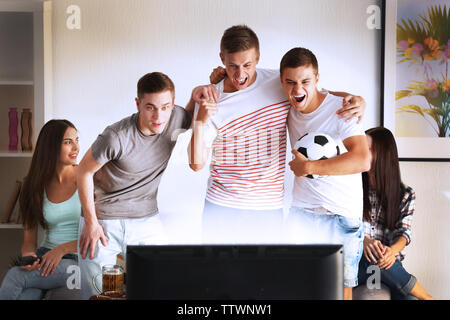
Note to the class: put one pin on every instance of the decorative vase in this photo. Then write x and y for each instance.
(25, 122)
(13, 123)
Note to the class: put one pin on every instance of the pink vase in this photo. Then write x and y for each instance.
(13, 124)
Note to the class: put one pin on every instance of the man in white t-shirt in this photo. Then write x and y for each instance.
(247, 135)
(326, 209)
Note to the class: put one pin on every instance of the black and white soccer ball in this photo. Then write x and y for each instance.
(317, 146)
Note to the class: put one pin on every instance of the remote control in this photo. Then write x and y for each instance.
(27, 260)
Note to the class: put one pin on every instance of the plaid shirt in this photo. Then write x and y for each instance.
(375, 228)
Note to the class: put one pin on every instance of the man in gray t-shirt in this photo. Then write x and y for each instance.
(127, 184)
(121, 171)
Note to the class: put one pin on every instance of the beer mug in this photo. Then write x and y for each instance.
(112, 280)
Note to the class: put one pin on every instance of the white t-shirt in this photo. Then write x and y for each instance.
(248, 140)
(340, 194)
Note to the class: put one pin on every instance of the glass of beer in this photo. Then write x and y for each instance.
(112, 280)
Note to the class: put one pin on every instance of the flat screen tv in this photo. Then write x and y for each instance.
(236, 272)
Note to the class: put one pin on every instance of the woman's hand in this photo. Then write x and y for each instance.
(50, 261)
(388, 259)
(31, 267)
(373, 249)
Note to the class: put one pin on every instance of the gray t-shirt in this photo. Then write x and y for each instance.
(127, 185)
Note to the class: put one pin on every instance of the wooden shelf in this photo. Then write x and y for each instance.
(16, 82)
(10, 226)
(15, 154)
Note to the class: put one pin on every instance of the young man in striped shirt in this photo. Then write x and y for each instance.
(247, 134)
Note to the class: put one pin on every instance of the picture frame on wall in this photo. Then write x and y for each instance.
(415, 85)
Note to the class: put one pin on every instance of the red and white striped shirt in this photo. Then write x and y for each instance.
(249, 145)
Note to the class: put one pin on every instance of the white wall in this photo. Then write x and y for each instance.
(428, 255)
(96, 68)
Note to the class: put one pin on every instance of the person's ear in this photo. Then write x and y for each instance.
(137, 103)
(222, 58)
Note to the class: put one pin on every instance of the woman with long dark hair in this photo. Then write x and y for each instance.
(49, 198)
(387, 215)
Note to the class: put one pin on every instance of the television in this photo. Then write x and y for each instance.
(234, 272)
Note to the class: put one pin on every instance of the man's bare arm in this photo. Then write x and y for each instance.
(355, 160)
(92, 230)
(197, 151)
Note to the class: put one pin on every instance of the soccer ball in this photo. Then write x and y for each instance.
(317, 146)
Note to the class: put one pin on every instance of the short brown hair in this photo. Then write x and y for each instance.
(153, 83)
(238, 38)
(298, 57)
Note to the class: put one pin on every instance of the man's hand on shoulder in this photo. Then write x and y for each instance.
(352, 107)
(217, 75)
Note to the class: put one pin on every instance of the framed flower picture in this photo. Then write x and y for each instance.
(416, 97)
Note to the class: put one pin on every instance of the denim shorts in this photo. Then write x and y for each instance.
(319, 226)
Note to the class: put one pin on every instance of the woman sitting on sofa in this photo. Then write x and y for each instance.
(48, 198)
(387, 214)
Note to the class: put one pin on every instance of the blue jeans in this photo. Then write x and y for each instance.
(20, 284)
(320, 226)
(399, 281)
(120, 234)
